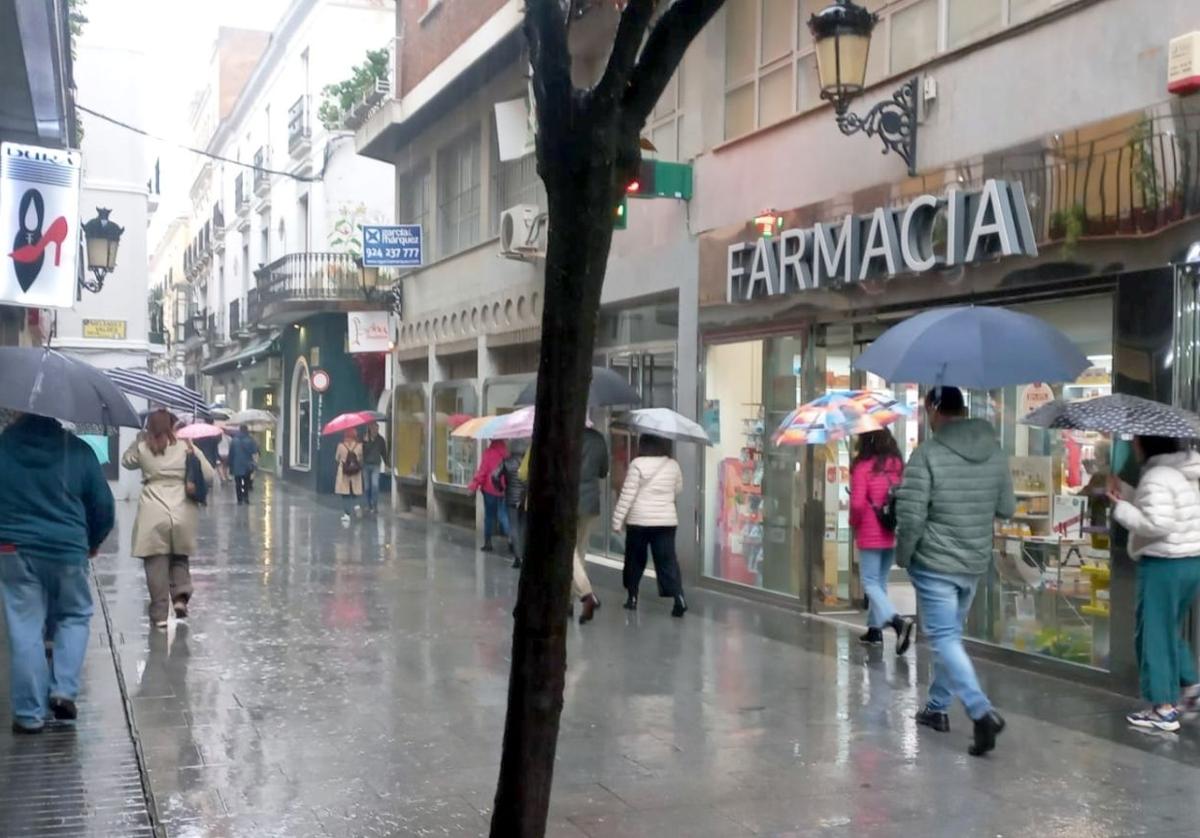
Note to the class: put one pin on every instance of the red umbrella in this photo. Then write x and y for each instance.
(345, 422)
(199, 430)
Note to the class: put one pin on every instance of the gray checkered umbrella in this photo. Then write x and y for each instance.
(1118, 414)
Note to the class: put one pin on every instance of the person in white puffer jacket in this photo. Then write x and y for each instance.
(646, 508)
(1163, 519)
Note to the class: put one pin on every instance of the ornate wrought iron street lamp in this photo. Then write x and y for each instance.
(368, 277)
(842, 33)
(103, 237)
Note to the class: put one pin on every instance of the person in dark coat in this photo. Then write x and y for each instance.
(57, 509)
(243, 460)
(515, 490)
(210, 447)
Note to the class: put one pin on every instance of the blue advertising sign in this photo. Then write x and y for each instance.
(396, 246)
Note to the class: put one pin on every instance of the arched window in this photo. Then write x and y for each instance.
(302, 417)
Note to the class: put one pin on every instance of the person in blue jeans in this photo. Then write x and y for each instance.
(57, 510)
(955, 487)
(375, 459)
(876, 470)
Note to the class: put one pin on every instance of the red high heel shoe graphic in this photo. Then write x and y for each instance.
(56, 235)
(29, 247)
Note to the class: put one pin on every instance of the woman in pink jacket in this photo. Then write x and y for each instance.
(495, 513)
(876, 469)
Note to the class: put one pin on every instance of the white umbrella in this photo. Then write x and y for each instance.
(256, 420)
(661, 421)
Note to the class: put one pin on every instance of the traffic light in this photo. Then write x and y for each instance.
(621, 215)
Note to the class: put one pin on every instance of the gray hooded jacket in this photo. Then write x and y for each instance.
(955, 486)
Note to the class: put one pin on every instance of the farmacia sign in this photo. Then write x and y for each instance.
(985, 224)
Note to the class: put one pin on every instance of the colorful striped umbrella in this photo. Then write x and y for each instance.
(837, 415)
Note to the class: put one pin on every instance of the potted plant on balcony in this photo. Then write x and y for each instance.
(1145, 176)
(348, 101)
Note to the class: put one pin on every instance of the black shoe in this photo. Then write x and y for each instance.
(487, 548)
(987, 729)
(680, 606)
(904, 627)
(20, 728)
(588, 607)
(873, 637)
(630, 603)
(933, 719)
(516, 563)
(64, 709)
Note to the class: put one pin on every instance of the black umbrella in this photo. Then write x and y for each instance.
(608, 388)
(48, 383)
(1117, 414)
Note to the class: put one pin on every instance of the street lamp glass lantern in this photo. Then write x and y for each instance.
(842, 34)
(103, 239)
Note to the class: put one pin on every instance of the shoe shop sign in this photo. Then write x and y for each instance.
(39, 225)
(986, 224)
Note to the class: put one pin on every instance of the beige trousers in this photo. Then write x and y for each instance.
(581, 586)
(169, 578)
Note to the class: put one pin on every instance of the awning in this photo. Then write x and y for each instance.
(247, 354)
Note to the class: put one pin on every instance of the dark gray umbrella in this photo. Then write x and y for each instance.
(1118, 414)
(48, 383)
(608, 388)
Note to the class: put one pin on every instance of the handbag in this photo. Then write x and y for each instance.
(194, 484)
(886, 512)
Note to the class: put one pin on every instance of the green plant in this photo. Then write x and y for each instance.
(339, 99)
(1145, 172)
(1068, 225)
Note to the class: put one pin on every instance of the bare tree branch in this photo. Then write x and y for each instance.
(546, 32)
(669, 40)
(630, 33)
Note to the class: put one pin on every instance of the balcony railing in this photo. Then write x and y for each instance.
(241, 195)
(310, 276)
(299, 130)
(262, 181)
(253, 307)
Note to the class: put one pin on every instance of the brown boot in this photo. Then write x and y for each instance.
(589, 605)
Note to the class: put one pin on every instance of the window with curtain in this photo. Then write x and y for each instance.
(459, 194)
(514, 182)
(971, 20)
(414, 199)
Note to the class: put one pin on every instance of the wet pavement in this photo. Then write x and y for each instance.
(74, 780)
(351, 682)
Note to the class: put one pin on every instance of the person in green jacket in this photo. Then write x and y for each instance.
(57, 509)
(955, 487)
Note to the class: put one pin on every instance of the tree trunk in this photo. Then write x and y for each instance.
(580, 197)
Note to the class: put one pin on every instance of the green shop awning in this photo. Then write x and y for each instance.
(246, 354)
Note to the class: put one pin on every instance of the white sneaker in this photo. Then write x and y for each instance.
(160, 624)
(345, 519)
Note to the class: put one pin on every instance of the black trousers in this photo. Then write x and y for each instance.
(242, 484)
(661, 543)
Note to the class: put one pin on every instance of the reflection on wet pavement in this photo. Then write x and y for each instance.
(336, 682)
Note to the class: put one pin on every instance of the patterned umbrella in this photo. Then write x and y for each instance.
(839, 414)
(1117, 414)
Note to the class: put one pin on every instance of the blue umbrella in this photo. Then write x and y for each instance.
(977, 347)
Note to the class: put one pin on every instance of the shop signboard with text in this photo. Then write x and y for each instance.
(931, 233)
(395, 246)
(39, 225)
(368, 331)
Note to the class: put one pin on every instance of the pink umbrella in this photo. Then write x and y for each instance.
(198, 430)
(515, 425)
(345, 422)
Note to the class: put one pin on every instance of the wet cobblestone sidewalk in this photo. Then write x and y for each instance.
(351, 682)
(74, 780)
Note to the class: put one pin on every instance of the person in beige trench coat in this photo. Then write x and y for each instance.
(164, 533)
(349, 486)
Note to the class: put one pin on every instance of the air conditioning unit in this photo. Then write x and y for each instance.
(523, 231)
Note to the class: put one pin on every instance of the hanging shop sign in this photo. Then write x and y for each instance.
(990, 223)
(1034, 396)
(368, 331)
(394, 246)
(39, 225)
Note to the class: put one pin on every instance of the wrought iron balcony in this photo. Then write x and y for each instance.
(235, 318)
(241, 194)
(301, 283)
(262, 181)
(299, 128)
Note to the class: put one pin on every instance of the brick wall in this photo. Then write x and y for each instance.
(429, 42)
